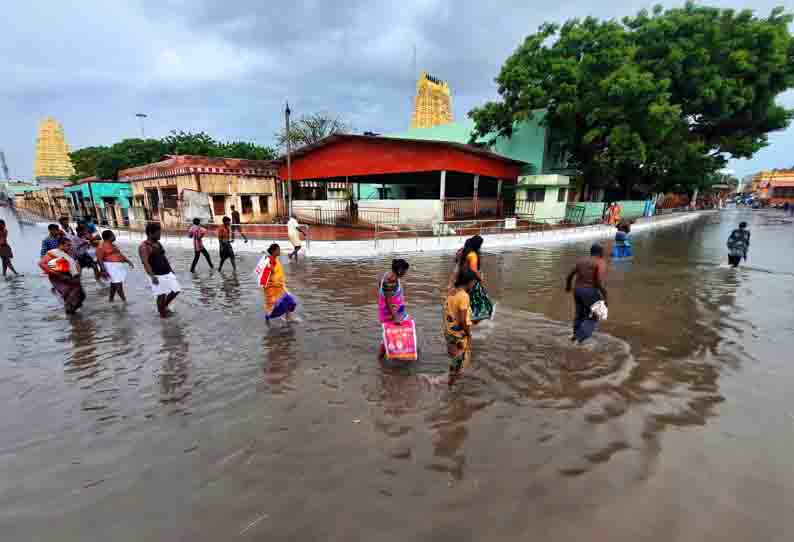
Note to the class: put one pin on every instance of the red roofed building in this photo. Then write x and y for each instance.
(775, 187)
(382, 179)
(182, 187)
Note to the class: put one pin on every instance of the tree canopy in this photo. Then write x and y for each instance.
(105, 162)
(310, 129)
(661, 99)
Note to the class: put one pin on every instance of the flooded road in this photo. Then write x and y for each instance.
(676, 423)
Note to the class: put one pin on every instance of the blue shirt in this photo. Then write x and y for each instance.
(49, 244)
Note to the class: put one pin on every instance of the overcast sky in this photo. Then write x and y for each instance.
(226, 67)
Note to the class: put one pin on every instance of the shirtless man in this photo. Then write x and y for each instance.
(590, 275)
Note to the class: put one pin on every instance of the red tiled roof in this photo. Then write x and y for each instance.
(185, 163)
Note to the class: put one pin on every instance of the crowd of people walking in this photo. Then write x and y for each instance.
(66, 251)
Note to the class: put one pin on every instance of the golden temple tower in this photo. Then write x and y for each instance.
(52, 153)
(433, 105)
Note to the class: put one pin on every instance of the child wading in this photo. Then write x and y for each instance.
(457, 323)
(113, 264)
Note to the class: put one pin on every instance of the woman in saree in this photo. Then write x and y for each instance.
(278, 301)
(481, 305)
(391, 299)
(64, 274)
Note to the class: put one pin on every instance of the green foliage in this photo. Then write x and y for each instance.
(85, 161)
(660, 99)
(105, 162)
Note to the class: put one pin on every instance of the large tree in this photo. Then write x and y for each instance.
(310, 129)
(662, 99)
(105, 162)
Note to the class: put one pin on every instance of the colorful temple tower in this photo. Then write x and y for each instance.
(53, 166)
(433, 105)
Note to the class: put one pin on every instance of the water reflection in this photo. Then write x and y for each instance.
(175, 366)
(534, 416)
(280, 361)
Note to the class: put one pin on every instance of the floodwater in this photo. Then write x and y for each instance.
(675, 423)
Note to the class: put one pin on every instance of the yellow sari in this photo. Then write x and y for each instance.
(276, 285)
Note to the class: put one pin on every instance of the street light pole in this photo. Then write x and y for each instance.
(141, 116)
(289, 160)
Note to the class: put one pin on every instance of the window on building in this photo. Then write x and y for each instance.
(247, 205)
(264, 204)
(561, 195)
(783, 192)
(154, 199)
(219, 205)
(536, 194)
(170, 198)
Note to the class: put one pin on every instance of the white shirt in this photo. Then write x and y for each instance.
(293, 232)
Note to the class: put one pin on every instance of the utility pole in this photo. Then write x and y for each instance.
(141, 117)
(289, 160)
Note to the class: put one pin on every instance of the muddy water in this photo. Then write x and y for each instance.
(674, 424)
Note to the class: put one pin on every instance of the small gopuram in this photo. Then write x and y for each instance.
(53, 166)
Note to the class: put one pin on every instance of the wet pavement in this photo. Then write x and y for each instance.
(674, 424)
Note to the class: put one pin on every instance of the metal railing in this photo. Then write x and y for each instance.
(461, 208)
(342, 213)
(508, 226)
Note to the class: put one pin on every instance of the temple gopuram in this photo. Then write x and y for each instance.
(433, 105)
(53, 166)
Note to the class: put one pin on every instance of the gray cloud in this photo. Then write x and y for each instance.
(228, 67)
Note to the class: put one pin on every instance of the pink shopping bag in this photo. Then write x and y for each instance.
(400, 340)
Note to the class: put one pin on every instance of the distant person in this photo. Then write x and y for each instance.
(225, 244)
(66, 227)
(482, 307)
(458, 323)
(64, 274)
(83, 250)
(278, 301)
(236, 221)
(90, 225)
(738, 244)
(113, 264)
(197, 233)
(590, 274)
(51, 241)
(391, 298)
(622, 248)
(294, 231)
(6, 254)
(165, 286)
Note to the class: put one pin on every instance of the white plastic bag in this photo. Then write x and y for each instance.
(599, 310)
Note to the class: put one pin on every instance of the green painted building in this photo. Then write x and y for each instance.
(107, 201)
